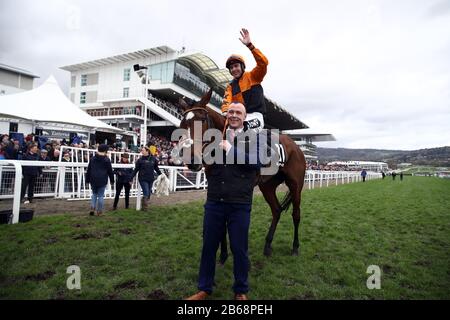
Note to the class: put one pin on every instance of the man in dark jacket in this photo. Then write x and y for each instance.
(124, 180)
(363, 175)
(146, 166)
(12, 150)
(44, 155)
(228, 205)
(98, 171)
(30, 173)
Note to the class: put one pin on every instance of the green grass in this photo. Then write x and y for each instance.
(403, 227)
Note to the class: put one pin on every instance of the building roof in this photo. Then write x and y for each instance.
(140, 54)
(17, 70)
(209, 68)
(356, 163)
(315, 136)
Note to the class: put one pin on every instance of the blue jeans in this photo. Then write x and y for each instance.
(236, 217)
(97, 198)
(146, 187)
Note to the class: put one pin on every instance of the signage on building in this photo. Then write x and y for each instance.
(59, 134)
(56, 134)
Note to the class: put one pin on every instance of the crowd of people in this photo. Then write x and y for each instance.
(14, 148)
(313, 165)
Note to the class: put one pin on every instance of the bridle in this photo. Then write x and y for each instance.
(209, 124)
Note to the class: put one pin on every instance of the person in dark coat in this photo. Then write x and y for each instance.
(98, 171)
(30, 173)
(228, 205)
(363, 175)
(44, 155)
(124, 180)
(12, 150)
(146, 165)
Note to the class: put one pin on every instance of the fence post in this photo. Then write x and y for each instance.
(198, 179)
(61, 182)
(138, 198)
(171, 184)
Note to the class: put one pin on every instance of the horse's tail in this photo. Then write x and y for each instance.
(286, 202)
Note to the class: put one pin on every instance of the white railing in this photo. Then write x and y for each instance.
(67, 180)
(314, 179)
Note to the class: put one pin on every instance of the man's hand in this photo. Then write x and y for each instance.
(245, 37)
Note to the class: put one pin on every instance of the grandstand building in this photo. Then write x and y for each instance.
(367, 165)
(110, 90)
(15, 80)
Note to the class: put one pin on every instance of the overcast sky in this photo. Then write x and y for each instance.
(374, 73)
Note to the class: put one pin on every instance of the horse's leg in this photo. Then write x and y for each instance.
(296, 198)
(223, 249)
(268, 190)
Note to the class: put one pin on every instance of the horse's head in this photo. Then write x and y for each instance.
(196, 120)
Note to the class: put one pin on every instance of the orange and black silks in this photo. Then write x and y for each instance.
(247, 89)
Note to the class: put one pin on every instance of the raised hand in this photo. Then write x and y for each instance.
(245, 37)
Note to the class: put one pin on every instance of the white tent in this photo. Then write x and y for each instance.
(47, 103)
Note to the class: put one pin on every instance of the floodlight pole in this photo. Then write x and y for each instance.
(144, 138)
(137, 67)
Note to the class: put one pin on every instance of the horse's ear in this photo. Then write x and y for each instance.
(183, 104)
(205, 98)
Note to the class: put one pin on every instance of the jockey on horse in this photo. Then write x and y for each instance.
(246, 88)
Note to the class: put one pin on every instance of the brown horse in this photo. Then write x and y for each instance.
(292, 173)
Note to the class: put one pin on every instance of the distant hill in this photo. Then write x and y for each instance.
(439, 157)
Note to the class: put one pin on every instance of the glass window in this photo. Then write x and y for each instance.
(126, 74)
(83, 97)
(126, 92)
(84, 79)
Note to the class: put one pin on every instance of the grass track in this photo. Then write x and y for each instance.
(403, 227)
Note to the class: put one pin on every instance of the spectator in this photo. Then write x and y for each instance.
(30, 173)
(12, 150)
(124, 179)
(66, 157)
(44, 155)
(98, 171)
(146, 166)
(363, 175)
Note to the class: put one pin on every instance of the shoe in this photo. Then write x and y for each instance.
(201, 295)
(26, 202)
(91, 213)
(99, 213)
(144, 204)
(240, 296)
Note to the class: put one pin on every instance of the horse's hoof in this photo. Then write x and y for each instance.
(295, 252)
(267, 252)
